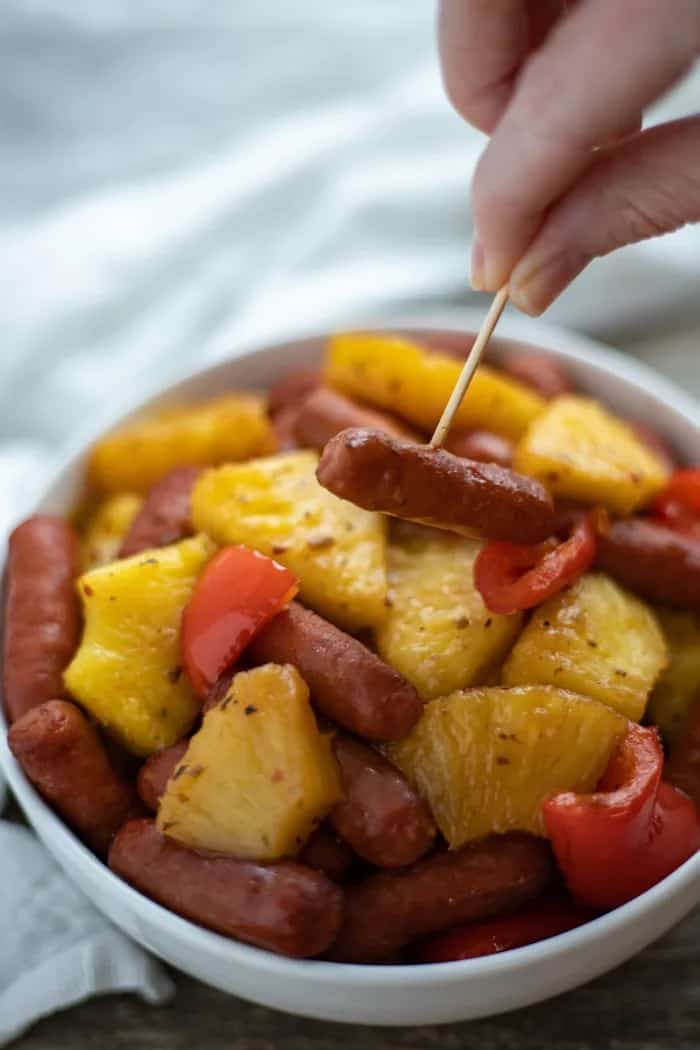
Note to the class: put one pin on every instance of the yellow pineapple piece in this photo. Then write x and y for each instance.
(414, 382)
(137, 454)
(438, 633)
(679, 684)
(594, 638)
(276, 506)
(486, 759)
(128, 669)
(107, 526)
(579, 451)
(258, 776)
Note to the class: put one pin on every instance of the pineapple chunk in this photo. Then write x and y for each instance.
(580, 451)
(596, 639)
(276, 506)
(258, 776)
(106, 528)
(486, 759)
(138, 454)
(127, 671)
(414, 382)
(679, 685)
(438, 633)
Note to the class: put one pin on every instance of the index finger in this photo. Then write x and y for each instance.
(592, 76)
(482, 43)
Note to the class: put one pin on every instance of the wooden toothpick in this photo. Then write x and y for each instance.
(473, 357)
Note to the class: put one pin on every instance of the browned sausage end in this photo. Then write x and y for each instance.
(62, 754)
(165, 515)
(381, 816)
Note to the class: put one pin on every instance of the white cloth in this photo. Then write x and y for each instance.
(177, 176)
(58, 950)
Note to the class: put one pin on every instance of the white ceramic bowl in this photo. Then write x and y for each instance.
(390, 995)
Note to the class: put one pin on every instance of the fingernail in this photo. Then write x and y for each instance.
(487, 271)
(525, 296)
(536, 281)
(477, 265)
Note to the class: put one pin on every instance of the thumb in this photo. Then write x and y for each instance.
(647, 185)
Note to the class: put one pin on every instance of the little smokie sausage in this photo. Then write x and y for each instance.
(683, 766)
(156, 771)
(655, 562)
(381, 816)
(348, 683)
(433, 486)
(165, 515)
(453, 344)
(292, 389)
(390, 910)
(541, 373)
(324, 413)
(42, 612)
(284, 907)
(481, 445)
(284, 428)
(64, 757)
(325, 852)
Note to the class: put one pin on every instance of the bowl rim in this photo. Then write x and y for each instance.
(531, 333)
(560, 343)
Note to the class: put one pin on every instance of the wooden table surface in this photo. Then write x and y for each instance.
(650, 1003)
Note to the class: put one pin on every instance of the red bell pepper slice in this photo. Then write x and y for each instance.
(634, 830)
(678, 505)
(239, 591)
(515, 576)
(537, 921)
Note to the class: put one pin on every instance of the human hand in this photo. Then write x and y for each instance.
(567, 175)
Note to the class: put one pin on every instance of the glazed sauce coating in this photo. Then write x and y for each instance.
(284, 907)
(390, 910)
(435, 487)
(348, 683)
